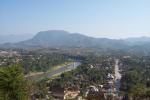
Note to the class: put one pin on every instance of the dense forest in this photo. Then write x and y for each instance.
(135, 80)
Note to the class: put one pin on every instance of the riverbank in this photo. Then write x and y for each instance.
(53, 72)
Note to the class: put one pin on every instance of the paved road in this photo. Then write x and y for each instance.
(62, 69)
(117, 75)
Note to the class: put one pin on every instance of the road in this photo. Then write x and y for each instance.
(58, 71)
(117, 75)
(117, 71)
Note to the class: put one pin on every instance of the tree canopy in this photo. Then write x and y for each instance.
(12, 83)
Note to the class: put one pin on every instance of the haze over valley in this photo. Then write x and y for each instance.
(74, 50)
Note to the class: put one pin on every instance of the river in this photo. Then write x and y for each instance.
(58, 71)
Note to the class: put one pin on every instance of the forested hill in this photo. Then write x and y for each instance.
(64, 39)
(60, 38)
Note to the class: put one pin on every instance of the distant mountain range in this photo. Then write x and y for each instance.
(138, 40)
(60, 38)
(5, 38)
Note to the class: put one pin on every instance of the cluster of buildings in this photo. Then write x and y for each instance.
(103, 92)
(94, 92)
(9, 57)
(8, 53)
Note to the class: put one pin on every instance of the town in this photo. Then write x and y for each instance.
(74, 49)
(65, 76)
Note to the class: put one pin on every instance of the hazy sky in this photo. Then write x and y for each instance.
(98, 18)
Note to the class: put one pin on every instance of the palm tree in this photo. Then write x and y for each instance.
(12, 83)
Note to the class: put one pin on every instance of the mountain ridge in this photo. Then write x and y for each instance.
(63, 39)
(60, 38)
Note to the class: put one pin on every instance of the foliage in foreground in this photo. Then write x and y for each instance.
(12, 83)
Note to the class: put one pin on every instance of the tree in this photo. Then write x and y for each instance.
(138, 92)
(12, 83)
